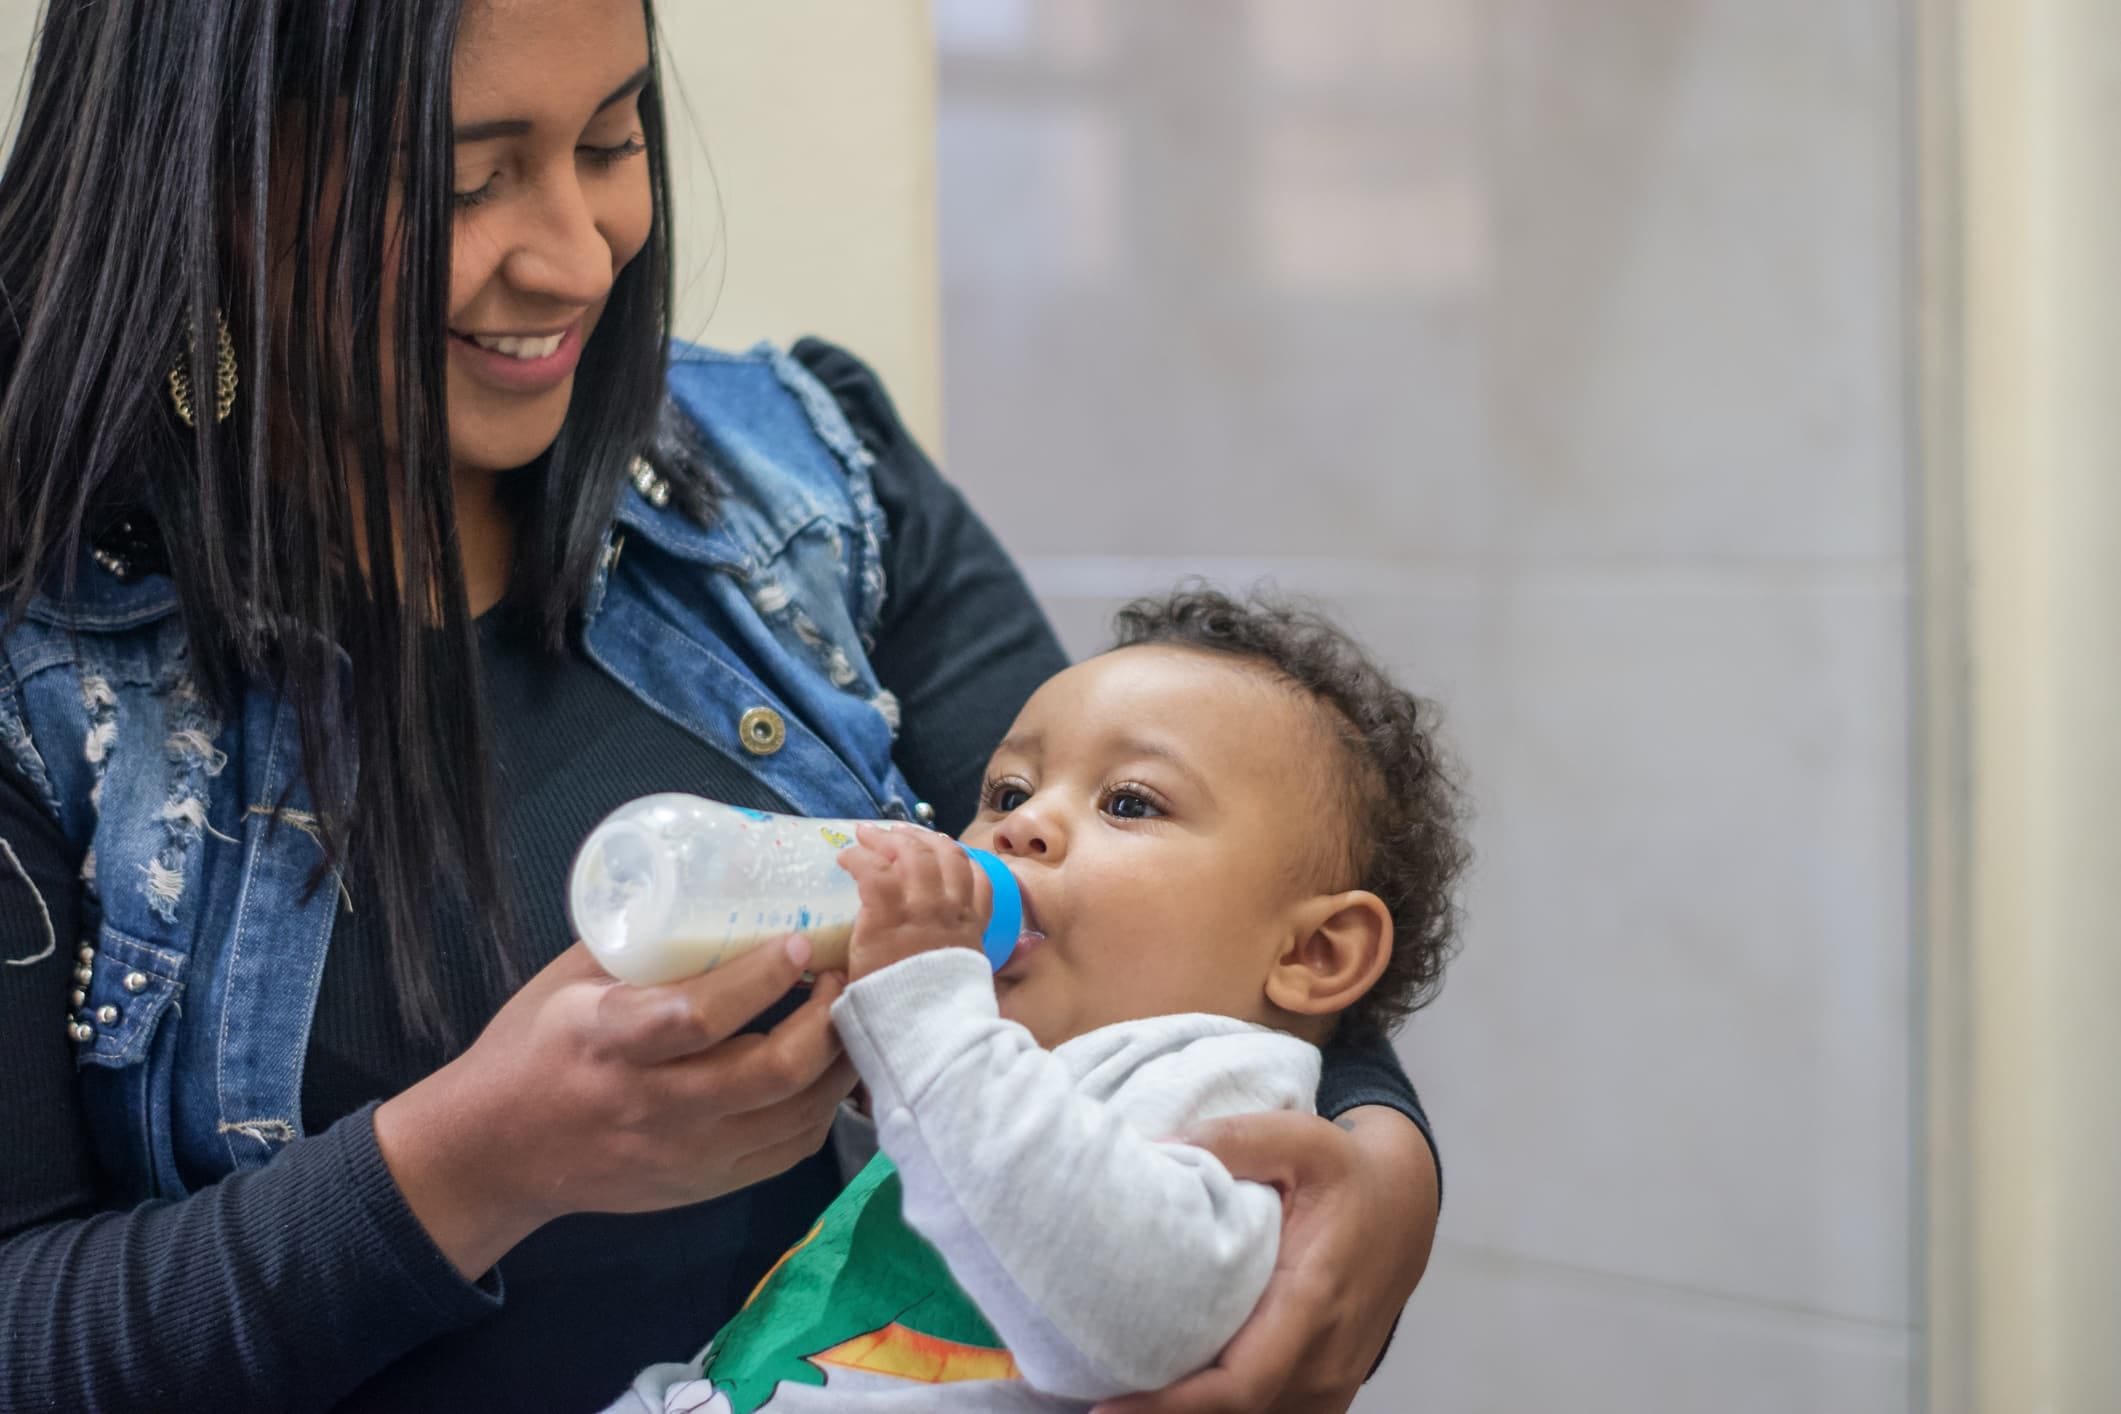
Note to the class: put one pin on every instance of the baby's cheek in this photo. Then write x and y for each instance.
(1031, 1006)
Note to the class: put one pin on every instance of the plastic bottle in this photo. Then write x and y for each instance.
(669, 886)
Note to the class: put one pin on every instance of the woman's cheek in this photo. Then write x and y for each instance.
(627, 232)
(474, 261)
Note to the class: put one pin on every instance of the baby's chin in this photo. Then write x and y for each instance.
(1019, 1003)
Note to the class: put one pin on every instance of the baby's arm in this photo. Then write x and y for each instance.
(1106, 1261)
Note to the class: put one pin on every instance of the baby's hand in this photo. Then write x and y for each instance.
(920, 892)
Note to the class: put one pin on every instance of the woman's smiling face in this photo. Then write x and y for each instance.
(553, 199)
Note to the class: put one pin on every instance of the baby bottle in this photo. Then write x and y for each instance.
(669, 886)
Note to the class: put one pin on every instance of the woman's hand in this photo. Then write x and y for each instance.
(920, 891)
(587, 1095)
(1359, 1202)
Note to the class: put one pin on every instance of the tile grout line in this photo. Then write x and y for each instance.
(1098, 575)
(1502, 1257)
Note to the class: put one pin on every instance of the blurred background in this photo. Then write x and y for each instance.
(1557, 347)
(1704, 400)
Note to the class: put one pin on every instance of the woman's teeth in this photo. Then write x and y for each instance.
(513, 346)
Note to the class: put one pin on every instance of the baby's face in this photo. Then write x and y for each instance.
(1161, 807)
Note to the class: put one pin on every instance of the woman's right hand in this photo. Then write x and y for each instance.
(588, 1095)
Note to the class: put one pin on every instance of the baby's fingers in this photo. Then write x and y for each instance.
(879, 880)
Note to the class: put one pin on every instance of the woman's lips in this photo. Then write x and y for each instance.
(514, 374)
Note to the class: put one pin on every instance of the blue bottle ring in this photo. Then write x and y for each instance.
(1006, 923)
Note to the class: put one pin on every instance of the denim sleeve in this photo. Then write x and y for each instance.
(963, 644)
(280, 1288)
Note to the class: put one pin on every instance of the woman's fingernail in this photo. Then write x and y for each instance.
(798, 950)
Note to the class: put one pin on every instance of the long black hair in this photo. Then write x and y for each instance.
(149, 182)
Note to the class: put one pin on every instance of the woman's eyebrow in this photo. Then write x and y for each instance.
(518, 127)
(629, 88)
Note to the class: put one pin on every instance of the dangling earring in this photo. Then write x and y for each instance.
(224, 375)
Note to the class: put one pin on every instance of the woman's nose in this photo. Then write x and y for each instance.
(565, 257)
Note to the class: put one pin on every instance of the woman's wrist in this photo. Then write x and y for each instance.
(447, 1174)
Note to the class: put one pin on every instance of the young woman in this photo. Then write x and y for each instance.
(363, 541)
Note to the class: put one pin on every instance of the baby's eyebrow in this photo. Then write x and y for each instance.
(1164, 752)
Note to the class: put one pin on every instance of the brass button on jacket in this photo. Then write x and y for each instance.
(762, 731)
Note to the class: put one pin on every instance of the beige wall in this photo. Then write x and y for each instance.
(2040, 287)
(816, 121)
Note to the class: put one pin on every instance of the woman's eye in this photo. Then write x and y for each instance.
(605, 156)
(1131, 805)
(465, 200)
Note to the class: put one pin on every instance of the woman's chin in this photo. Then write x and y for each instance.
(498, 441)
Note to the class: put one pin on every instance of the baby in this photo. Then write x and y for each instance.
(1234, 839)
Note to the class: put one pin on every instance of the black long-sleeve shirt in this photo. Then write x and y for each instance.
(309, 1284)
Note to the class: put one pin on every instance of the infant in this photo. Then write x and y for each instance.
(1235, 839)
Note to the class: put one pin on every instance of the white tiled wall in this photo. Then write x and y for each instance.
(1556, 344)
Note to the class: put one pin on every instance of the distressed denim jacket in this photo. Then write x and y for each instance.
(205, 943)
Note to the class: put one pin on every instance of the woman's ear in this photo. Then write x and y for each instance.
(1341, 946)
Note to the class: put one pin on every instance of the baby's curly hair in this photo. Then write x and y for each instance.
(1405, 813)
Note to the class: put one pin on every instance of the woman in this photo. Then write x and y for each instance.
(285, 819)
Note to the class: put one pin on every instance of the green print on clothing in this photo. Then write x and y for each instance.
(862, 1291)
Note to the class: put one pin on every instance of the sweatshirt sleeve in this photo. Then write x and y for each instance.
(282, 1287)
(1106, 1260)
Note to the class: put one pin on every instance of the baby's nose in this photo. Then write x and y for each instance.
(1024, 835)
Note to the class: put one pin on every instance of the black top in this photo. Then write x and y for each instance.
(308, 1284)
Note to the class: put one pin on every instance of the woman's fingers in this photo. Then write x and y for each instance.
(806, 1113)
(1218, 1389)
(1352, 1247)
(1257, 1369)
(763, 1164)
(752, 1072)
(577, 964)
(651, 1024)
(1277, 1148)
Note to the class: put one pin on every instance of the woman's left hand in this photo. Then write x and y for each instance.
(1359, 1200)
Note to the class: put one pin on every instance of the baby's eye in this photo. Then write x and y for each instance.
(1005, 796)
(1131, 805)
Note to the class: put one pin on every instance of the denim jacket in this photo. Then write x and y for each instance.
(204, 943)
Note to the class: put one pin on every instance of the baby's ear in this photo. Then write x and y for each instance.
(1340, 948)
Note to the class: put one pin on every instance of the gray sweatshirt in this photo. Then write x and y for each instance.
(1104, 1258)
